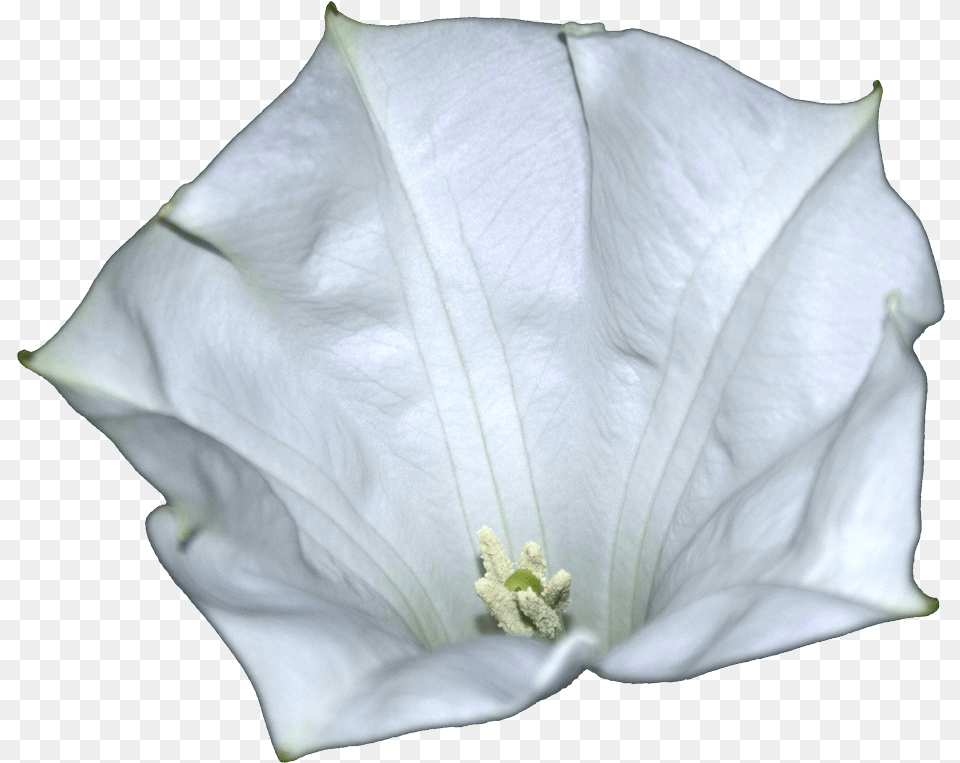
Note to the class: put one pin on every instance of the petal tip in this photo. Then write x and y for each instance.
(575, 29)
(333, 15)
(170, 210)
(909, 326)
(875, 96)
(24, 357)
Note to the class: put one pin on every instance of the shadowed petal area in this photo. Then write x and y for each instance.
(330, 629)
(328, 675)
(847, 563)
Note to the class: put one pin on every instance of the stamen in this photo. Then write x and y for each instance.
(521, 600)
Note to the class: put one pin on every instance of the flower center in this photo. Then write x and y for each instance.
(521, 600)
(523, 579)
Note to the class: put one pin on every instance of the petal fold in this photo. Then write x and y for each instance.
(848, 501)
(743, 246)
(331, 676)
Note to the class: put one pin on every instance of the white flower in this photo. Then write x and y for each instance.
(598, 291)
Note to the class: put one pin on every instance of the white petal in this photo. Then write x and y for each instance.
(422, 247)
(744, 244)
(329, 676)
(843, 510)
(285, 356)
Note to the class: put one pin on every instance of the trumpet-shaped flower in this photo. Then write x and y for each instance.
(598, 291)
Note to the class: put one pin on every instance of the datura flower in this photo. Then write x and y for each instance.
(595, 291)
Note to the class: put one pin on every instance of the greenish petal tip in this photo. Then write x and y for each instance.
(23, 356)
(575, 29)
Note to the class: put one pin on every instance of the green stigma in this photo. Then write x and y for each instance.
(523, 579)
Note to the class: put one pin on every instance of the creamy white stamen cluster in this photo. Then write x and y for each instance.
(521, 600)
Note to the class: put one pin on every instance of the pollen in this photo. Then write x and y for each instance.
(521, 599)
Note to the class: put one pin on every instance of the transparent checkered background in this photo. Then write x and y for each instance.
(107, 107)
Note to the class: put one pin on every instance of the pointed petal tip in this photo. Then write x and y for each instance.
(870, 101)
(24, 357)
(333, 15)
(933, 604)
(164, 210)
(875, 95)
(192, 212)
(185, 530)
(170, 209)
(909, 326)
